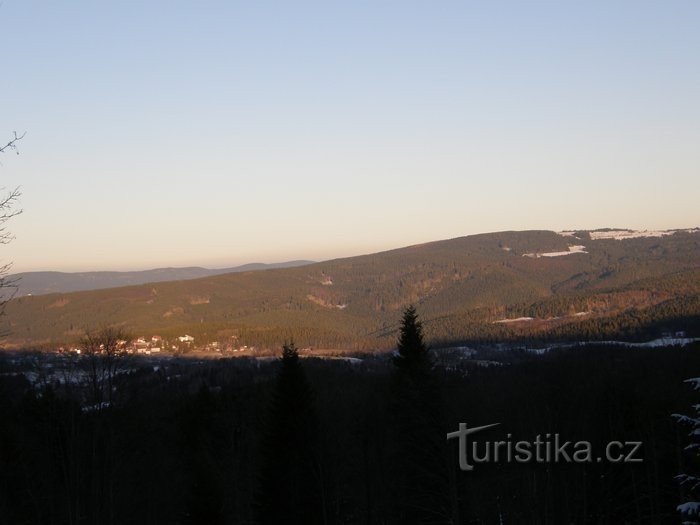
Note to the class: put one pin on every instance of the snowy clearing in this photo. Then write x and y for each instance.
(654, 343)
(516, 320)
(522, 319)
(579, 248)
(621, 235)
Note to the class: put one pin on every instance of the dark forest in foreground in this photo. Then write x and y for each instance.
(191, 442)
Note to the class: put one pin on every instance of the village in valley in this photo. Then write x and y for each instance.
(180, 345)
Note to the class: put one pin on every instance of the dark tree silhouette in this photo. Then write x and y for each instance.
(290, 485)
(422, 488)
(206, 497)
(413, 357)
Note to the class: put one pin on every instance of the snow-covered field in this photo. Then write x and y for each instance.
(654, 343)
(572, 249)
(621, 235)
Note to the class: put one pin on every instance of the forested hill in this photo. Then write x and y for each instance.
(499, 286)
(40, 283)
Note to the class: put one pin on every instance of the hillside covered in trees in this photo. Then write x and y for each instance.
(534, 285)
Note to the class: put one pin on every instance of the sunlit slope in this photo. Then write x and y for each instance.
(464, 282)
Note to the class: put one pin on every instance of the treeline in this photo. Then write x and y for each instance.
(235, 441)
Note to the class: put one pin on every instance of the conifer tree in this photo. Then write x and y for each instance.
(421, 472)
(413, 356)
(289, 489)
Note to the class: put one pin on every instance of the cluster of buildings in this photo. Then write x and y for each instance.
(158, 345)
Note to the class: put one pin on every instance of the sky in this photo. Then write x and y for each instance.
(216, 133)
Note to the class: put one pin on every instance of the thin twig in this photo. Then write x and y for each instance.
(12, 145)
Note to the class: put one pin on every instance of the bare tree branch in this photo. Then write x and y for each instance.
(106, 354)
(8, 210)
(12, 145)
(7, 203)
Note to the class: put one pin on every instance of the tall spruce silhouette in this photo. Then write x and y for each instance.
(422, 488)
(289, 490)
(413, 358)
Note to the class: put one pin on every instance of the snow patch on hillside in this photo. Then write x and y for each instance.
(579, 248)
(326, 304)
(516, 320)
(526, 319)
(620, 235)
(568, 234)
(654, 343)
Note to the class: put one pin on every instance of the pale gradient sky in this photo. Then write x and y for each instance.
(217, 133)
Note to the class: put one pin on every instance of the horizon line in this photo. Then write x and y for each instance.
(314, 261)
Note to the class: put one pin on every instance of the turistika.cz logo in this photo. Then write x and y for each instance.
(550, 448)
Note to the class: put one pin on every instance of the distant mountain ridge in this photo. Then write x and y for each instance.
(507, 286)
(46, 282)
